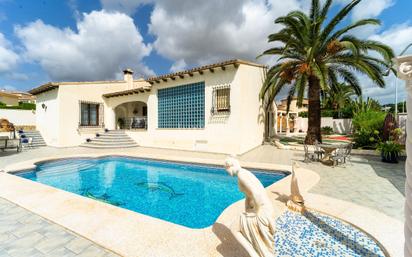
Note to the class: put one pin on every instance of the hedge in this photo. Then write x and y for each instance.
(21, 106)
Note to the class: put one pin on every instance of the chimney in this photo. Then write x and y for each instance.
(128, 77)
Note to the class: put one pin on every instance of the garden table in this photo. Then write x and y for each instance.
(328, 150)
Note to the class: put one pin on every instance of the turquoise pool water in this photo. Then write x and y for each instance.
(190, 195)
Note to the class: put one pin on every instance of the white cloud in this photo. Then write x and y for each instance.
(199, 32)
(178, 66)
(8, 58)
(102, 46)
(398, 37)
(387, 94)
(368, 8)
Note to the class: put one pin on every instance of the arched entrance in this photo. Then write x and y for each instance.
(131, 115)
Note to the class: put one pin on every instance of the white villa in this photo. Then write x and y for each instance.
(214, 108)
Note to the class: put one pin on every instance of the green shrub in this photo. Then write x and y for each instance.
(327, 113)
(21, 106)
(368, 128)
(303, 114)
(27, 106)
(326, 130)
(344, 113)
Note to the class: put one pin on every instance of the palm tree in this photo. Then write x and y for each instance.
(359, 105)
(338, 96)
(315, 54)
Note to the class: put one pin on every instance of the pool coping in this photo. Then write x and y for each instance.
(115, 228)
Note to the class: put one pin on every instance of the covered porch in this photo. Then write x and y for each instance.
(127, 110)
(131, 115)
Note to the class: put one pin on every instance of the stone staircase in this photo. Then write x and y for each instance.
(111, 139)
(38, 140)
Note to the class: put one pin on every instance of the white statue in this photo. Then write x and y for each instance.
(295, 202)
(405, 70)
(255, 228)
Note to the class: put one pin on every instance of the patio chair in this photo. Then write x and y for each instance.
(309, 157)
(318, 150)
(348, 150)
(339, 156)
(26, 142)
(3, 144)
(13, 144)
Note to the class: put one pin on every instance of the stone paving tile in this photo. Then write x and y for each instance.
(22, 252)
(23, 230)
(61, 252)
(92, 251)
(28, 241)
(25, 234)
(49, 244)
(77, 245)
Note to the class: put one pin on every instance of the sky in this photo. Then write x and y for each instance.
(86, 40)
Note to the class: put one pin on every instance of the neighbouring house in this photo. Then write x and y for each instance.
(287, 121)
(293, 107)
(282, 122)
(9, 99)
(213, 108)
(25, 97)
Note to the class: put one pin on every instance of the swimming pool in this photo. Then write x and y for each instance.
(187, 194)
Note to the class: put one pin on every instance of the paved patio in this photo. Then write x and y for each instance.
(366, 181)
(23, 233)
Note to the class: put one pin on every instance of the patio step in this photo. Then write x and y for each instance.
(111, 139)
(38, 140)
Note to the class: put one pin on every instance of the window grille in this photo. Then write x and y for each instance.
(221, 100)
(182, 106)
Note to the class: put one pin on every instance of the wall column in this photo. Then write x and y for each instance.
(404, 65)
(287, 125)
(280, 123)
(110, 122)
(275, 122)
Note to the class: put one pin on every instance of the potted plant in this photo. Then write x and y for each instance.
(390, 151)
(120, 123)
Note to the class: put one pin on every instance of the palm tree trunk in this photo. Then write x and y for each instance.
(314, 115)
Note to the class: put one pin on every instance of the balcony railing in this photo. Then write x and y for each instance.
(136, 122)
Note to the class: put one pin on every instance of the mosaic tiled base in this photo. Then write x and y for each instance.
(315, 234)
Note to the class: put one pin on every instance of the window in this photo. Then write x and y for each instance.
(182, 106)
(89, 114)
(221, 99)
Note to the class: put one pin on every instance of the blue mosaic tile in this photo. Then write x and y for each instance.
(315, 234)
(182, 106)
